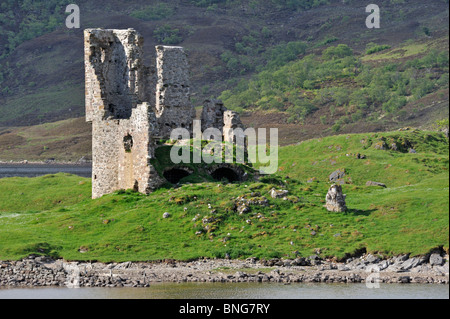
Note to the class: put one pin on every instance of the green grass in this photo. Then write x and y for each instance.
(54, 215)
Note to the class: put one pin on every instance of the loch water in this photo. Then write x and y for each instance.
(33, 170)
(236, 291)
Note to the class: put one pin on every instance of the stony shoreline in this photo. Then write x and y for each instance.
(43, 271)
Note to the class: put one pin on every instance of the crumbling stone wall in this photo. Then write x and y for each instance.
(232, 122)
(173, 106)
(113, 72)
(213, 114)
(128, 104)
(131, 106)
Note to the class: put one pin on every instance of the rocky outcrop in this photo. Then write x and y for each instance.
(280, 193)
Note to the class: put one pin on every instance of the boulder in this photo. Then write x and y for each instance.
(337, 176)
(383, 265)
(400, 259)
(243, 209)
(411, 263)
(436, 260)
(278, 193)
(371, 259)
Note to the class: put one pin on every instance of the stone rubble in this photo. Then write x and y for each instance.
(43, 271)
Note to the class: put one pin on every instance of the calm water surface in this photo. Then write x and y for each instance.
(33, 170)
(236, 291)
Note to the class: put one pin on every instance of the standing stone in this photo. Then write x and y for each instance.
(335, 199)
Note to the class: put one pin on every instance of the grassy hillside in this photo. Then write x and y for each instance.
(344, 88)
(54, 214)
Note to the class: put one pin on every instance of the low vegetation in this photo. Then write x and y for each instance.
(338, 78)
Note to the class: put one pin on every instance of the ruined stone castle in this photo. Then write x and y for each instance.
(131, 106)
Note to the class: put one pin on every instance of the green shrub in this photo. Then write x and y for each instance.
(395, 103)
(336, 127)
(374, 48)
(340, 51)
(167, 35)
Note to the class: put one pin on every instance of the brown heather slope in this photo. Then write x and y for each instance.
(66, 140)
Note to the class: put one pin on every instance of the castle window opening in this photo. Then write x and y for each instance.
(128, 143)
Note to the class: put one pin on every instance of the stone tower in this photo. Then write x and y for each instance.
(129, 108)
(173, 105)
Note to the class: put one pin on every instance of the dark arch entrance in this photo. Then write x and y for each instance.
(174, 175)
(225, 173)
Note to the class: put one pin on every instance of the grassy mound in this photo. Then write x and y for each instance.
(54, 215)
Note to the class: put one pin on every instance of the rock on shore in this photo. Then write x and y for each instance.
(44, 271)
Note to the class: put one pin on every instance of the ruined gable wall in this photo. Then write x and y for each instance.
(231, 121)
(213, 114)
(173, 105)
(114, 74)
(129, 105)
(115, 84)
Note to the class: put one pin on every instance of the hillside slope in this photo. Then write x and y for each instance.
(41, 74)
(54, 215)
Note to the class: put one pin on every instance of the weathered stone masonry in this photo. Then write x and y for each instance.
(131, 106)
(127, 104)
